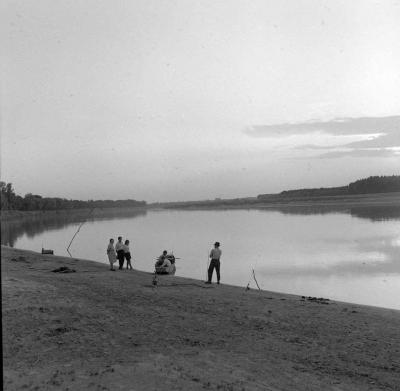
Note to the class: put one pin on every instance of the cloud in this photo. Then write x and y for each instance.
(377, 136)
(308, 147)
(339, 127)
(373, 152)
(389, 139)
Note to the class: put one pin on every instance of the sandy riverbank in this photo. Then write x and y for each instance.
(101, 330)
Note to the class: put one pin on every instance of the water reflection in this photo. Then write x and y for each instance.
(34, 225)
(378, 256)
(344, 254)
(377, 213)
(373, 213)
(37, 224)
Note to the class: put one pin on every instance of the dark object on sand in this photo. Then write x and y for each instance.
(19, 259)
(44, 251)
(63, 269)
(319, 300)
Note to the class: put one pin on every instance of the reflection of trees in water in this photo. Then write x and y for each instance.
(12, 230)
(309, 209)
(37, 224)
(373, 212)
(377, 213)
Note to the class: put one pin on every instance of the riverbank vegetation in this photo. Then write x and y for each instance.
(375, 189)
(371, 185)
(33, 202)
(384, 190)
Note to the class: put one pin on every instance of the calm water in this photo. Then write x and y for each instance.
(350, 256)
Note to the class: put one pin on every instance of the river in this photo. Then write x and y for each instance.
(349, 255)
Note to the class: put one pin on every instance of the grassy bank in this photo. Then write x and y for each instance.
(99, 330)
(279, 201)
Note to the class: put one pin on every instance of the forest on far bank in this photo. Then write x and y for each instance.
(370, 185)
(11, 201)
(31, 202)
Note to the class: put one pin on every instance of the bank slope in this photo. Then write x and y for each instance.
(95, 329)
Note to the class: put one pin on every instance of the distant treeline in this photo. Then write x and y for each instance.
(373, 184)
(12, 201)
(30, 202)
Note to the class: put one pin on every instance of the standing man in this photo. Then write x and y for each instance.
(215, 256)
(120, 249)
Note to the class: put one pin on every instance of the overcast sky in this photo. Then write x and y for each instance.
(177, 100)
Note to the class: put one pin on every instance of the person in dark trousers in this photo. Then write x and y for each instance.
(127, 255)
(215, 256)
(120, 249)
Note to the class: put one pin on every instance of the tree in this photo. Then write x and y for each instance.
(7, 196)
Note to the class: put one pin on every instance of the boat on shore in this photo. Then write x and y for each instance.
(165, 265)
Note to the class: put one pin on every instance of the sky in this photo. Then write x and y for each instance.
(187, 100)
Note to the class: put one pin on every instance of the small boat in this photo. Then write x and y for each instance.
(44, 251)
(170, 268)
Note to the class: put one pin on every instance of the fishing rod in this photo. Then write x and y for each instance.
(253, 276)
(79, 228)
(208, 265)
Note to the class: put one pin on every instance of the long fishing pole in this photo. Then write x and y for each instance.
(253, 276)
(76, 233)
(208, 265)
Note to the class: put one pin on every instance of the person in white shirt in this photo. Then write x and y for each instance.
(111, 254)
(215, 256)
(119, 248)
(127, 255)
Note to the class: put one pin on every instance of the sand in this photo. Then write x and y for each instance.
(101, 330)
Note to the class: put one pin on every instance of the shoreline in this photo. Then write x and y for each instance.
(75, 214)
(278, 201)
(93, 328)
(342, 202)
(104, 263)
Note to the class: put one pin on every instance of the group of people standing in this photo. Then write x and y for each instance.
(120, 252)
